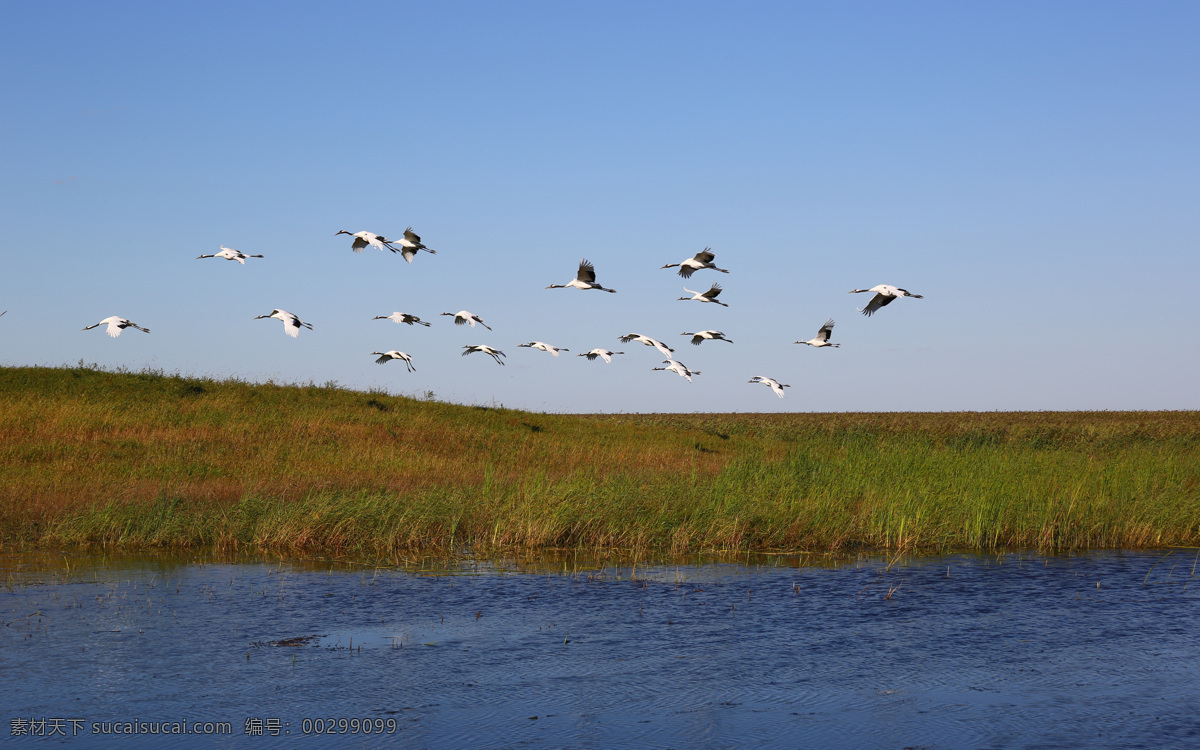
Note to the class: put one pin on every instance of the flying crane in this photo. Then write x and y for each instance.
(291, 323)
(884, 294)
(699, 261)
(115, 325)
(585, 278)
(228, 253)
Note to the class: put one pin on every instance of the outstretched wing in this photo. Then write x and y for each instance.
(878, 301)
(826, 330)
(587, 272)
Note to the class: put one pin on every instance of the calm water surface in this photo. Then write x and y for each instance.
(970, 651)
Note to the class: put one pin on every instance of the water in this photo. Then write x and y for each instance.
(1099, 650)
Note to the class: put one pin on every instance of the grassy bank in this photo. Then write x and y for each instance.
(143, 459)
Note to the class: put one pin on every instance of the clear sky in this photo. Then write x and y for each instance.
(1031, 168)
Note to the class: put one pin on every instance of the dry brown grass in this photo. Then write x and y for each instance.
(79, 440)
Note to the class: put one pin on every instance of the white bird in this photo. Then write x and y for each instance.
(678, 368)
(496, 354)
(363, 239)
(709, 296)
(666, 350)
(604, 354)
(115, 325)
(822, 338)
(228, 253)
(585, 278)
(410, 243)
(291, 323)
(545, 347)
(884, 294)
(470, 318)
(385, 357)
(400, 317)
(699, 336)
(702, 259)
(774, 384)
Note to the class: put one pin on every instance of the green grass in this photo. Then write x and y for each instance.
(138, 460)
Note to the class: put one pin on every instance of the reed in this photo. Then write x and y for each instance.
(147, 459)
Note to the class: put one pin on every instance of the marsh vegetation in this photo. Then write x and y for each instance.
(147, 459)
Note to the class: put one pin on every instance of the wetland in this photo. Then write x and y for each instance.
(240, 561)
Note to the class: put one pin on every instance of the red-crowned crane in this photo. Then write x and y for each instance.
(400, 317)
(700, 336)
(774, 384)
(291, 323)
(604, 354)
(884, 294)
(678, 368)
(409, 244)
(701, 260)
(495, 354)
(666, 350)
(228, 253)
(365, 239)
(385, 357)
(469, 318)
(822, 337)
(709, 296)
(585, 278)
(544, 347)
(115, 325)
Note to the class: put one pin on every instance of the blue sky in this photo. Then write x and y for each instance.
(1032, 169)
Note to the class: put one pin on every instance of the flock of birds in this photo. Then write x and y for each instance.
(585, 279)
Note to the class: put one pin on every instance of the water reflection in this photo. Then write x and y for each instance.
(955, 651)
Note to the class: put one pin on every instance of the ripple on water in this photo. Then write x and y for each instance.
(1000, 650)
